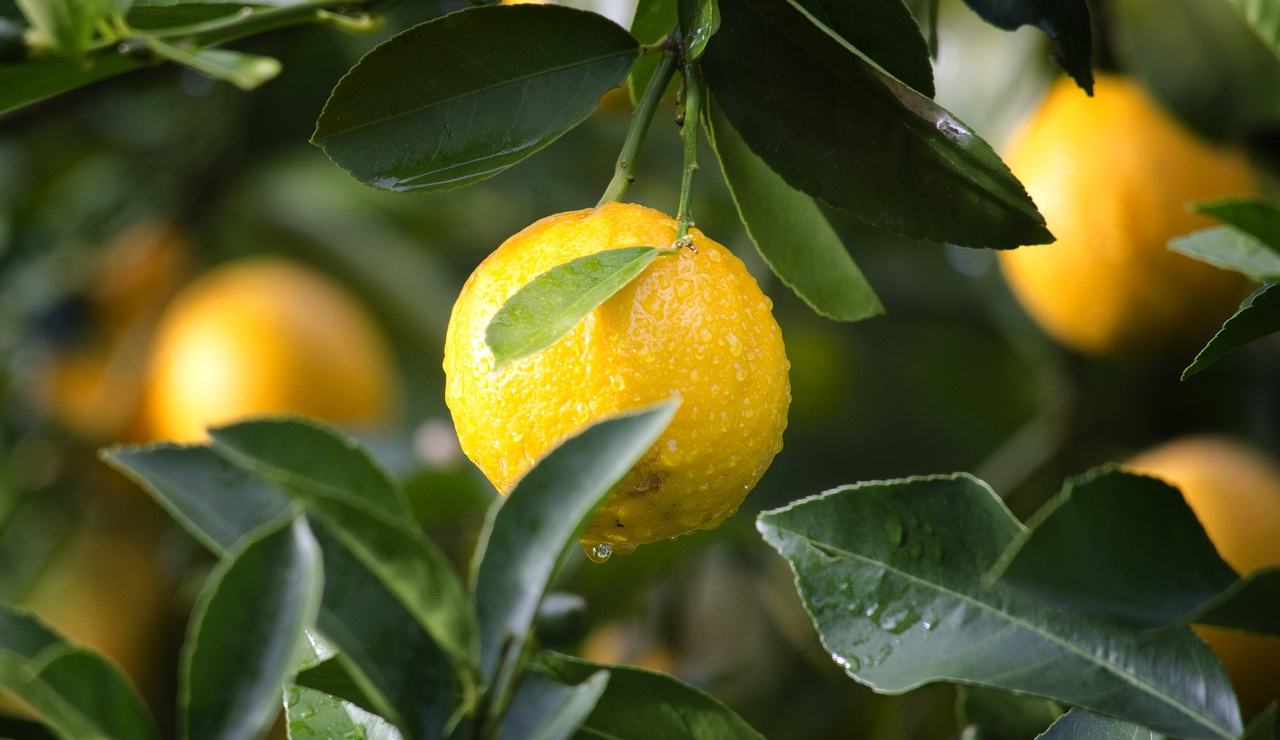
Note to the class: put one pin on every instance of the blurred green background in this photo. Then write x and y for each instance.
(954, 377)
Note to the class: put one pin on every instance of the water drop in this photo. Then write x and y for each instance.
(599, 552)
(953, 129)
(850, 665)
(893, 526)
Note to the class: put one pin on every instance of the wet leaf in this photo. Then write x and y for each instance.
(313, 715)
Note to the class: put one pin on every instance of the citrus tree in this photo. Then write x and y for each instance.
(619, 377)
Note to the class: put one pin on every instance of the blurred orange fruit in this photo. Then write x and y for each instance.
(615, 644)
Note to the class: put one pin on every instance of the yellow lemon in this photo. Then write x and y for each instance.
(1235, 491)
(1113, 176)
(693, 324)
(265, 336)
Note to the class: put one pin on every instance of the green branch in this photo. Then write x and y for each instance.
(624, 172)
(690, 112)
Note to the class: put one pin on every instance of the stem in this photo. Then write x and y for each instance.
(689, 133)
(624, 172)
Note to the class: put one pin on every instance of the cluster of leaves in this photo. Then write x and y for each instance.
(932, 579)
(1247, 243)
(328, 594)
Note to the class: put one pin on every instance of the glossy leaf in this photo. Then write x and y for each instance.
(1230, 249)
(1081, 725)
(841, 130)
(246, 631)
(335, 679)
(790, 231)
(699, 20)
(1254, 216)
(550, 305)
(644, 704)
(518, 77)
(892, 574)
(313, 715)
(215, 501)
(1263, 16)
(245, 71)
(1257, 316)
(653, 19)
(1065, 22)
(883, 31)
(526, 538)
(76, 691)
(545, 709)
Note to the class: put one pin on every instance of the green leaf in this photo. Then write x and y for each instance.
(892, 574)
(333, 678)
(216, 502)
(246, 631)
(1257, 316)
(644, 704)
(32, 81)
(518, 77)
(699, 21)
(790, 231)
(339, 482)
(1230, 249)
(1000, 715)
(1065, 22)
(313, 715)
(842, 131)
(550, 305)
(245, 71)
(77, 692)
(1254, 216)
(1263, 727)
(1081, 725)
(1201, 62)
(530, 531)
(1263, 16)
(545, 709)
(68, 24)
(882, 31)
(653, 19)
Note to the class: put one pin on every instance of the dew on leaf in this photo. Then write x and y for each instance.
(599, 552)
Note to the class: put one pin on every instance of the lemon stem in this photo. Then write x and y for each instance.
(689, 133)
(624, 172)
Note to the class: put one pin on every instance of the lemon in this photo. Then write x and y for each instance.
(265, 336)
(693, 324)
(1113, 176)
(1235, 491)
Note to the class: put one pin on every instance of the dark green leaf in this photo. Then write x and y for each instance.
(892, 574)
(14, 728)
(338, 481)
(313, 715)
(518, 77)
(1065, 22)
(215, 501)
(1257, 316)
(246, 631)
(837, 128)
(1201, 61)
(68, 24)
(1251, 604)
(530, 531)
(1081, 725)
(77, 692)
(1230, 249)
(1082, 550)
(1263, 727)
(699, 21)
(551, 304)
(643, 705)
(1254, 216)
(1263, 16)
(1000, 715)
(653, 19)
(790, 232)
(245, 71)
(882, 31)
(333, 678)
(22, 84)
(545, 709)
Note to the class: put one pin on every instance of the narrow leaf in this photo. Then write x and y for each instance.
(1230, 249)
(842, 131)
(1081, 725)
(1251, 604)
(790, 232)
(644, 704)
(246, 632)
(1257, 316)
(892, 574)
(882, 31)
(551, 304)
(245, 71)
(1254, 216)
(545, 709)
(518, 77)
(699, 20)
(526, 538)
(1263, 727)
(313, 715)
(1065, 22)
(76, 691)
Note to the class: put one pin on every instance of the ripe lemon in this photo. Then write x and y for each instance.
(1113, 176)
(695, 324)
(265, 336)
(1235, 491)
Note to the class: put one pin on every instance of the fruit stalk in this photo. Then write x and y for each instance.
(624, 172)
(689, 133)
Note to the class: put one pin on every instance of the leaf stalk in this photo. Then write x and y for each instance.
(624, 172)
